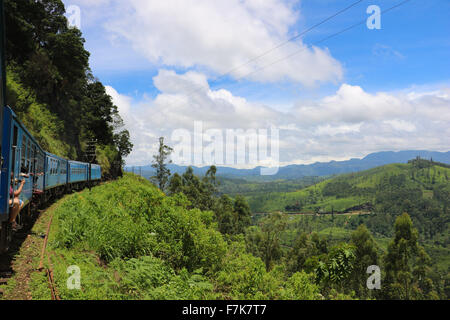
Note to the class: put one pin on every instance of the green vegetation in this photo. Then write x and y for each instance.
(52, 89)
(357, 189)
(420, 188)
(132, 241)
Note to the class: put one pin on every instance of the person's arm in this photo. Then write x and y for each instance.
(18, 191)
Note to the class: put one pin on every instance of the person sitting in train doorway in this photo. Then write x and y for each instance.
(15, 204)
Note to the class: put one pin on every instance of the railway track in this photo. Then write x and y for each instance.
(4, 277)
(6, 270)
(14, 263)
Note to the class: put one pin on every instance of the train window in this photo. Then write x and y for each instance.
(15, 134)
(41, 167)
(39, 163)
(33, 159)
(23, 152)
(29, 156)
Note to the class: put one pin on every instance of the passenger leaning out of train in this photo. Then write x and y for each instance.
(16, 205)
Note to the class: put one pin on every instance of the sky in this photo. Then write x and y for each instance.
(250, 65)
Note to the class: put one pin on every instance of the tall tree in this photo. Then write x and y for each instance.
(402, 280)
(264, 240)
(366, 254)
(160, 164)
(242, 214)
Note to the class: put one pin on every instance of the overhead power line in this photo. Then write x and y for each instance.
(320, 41)
(289, 40)
(303, 48)
(278, 46)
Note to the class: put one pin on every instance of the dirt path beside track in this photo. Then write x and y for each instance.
(22, 260)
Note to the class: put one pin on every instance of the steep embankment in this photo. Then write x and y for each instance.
(52, 90)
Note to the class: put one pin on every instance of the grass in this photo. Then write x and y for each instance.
(130, 241)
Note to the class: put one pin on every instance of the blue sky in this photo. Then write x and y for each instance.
(132, 43)
(412, 48)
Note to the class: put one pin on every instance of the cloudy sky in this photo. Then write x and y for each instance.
(230, 64)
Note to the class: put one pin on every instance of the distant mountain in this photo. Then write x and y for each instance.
(296, 171)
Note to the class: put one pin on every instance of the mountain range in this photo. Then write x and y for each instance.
(296, 171)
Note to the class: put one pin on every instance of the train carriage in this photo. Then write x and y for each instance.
(45, 174)
(55, 171)
(22, 159)
(78, 172)
(96, 172)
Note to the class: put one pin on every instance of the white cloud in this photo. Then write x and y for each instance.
(216, 36)
(401, 125)
(351, 104)
(386, 52)
(350, 123)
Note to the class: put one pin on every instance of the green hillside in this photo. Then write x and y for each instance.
(421, 188)
(351, 190)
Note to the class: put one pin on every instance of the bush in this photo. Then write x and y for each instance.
(130, 218)
(151, 278)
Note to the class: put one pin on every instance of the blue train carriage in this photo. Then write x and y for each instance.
(22, 159)
(78, 174)
(55, 175)
(96, 173)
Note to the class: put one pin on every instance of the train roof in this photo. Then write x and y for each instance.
(78, 162)
(55, 156)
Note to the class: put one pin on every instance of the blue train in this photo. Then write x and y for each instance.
(46, 175)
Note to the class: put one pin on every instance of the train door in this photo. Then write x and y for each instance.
(47, 170)
(29, 158)
(24, 166)
(40, 170)
(58, 172)
(23, 155)
(15, 154)
(33, 167)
